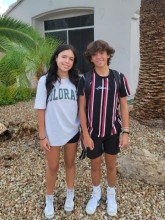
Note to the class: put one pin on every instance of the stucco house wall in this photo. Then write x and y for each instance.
(116, 21)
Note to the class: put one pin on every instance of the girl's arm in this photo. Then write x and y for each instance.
(41, 123)
(44, 144)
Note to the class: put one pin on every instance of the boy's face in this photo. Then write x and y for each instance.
(99, 59)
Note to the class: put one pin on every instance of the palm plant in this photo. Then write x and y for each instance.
(17, 31)
(25, 55)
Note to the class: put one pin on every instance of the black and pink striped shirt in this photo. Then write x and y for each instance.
(102, 105)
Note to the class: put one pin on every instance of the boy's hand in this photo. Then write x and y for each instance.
(88, 142)
(123, 140)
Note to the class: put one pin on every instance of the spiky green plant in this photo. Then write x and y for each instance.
(25, 54)
(17, 31)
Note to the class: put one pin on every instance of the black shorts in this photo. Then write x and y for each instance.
(74, 139)
(108, 145)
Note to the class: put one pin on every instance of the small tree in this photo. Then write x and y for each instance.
(17, 31)
(25, 54)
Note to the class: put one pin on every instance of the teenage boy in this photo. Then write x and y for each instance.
(101, 92)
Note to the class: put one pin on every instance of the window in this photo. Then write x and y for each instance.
(61, 35)
(78, 31)
(73, 22)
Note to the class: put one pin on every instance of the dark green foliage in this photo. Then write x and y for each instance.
(18, 32)
(20, 94)
(23, 94)
(25, 55)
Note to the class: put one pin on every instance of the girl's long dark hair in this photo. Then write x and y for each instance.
(52, 76)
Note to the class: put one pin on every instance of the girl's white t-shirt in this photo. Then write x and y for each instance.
(61, 111)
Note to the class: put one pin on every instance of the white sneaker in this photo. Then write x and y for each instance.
(69, 202)
(111, 203)
(93, 203)
(49, 208)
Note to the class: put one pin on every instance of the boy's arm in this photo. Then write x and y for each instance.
(83, 120)
(125, 121)
(82, 114)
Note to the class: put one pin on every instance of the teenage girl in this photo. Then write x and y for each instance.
(56, 104)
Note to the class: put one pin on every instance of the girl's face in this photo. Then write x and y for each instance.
(99, 59)
(65, 60)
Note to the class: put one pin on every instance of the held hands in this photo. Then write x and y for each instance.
(88, 142)
(123, 140)
(44, 144)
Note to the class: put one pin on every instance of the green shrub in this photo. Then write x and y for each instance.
(23, 94)
(3, 96)
(20, 94)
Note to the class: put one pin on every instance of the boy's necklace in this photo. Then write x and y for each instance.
(106, 73)
(103, 74)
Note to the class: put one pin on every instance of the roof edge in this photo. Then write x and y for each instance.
(14, 5)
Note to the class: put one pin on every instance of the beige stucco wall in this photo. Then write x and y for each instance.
(112, 22)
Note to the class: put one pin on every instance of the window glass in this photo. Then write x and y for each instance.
(55, 24)
(80, 39)
(79, 21)
(78, 31)
(60, 35)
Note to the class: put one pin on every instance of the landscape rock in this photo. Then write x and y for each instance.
(142, 165)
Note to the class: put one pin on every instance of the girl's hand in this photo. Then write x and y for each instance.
(44, 145)
(123, 140)
(88, 142)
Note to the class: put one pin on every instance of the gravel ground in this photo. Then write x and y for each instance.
(22, 180)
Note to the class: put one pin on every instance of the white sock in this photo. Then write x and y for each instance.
(96, 188)
(49, 198)
(111, 189)
(97, 191)
(70, 192)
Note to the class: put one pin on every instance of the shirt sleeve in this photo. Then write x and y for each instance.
(41, 94)
(124, 89)
(81, 86)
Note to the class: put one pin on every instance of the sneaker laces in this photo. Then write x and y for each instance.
(49, 204)
(69, 197)
(94, 199)
(111, 196)
(111, 200)
(49, 200)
